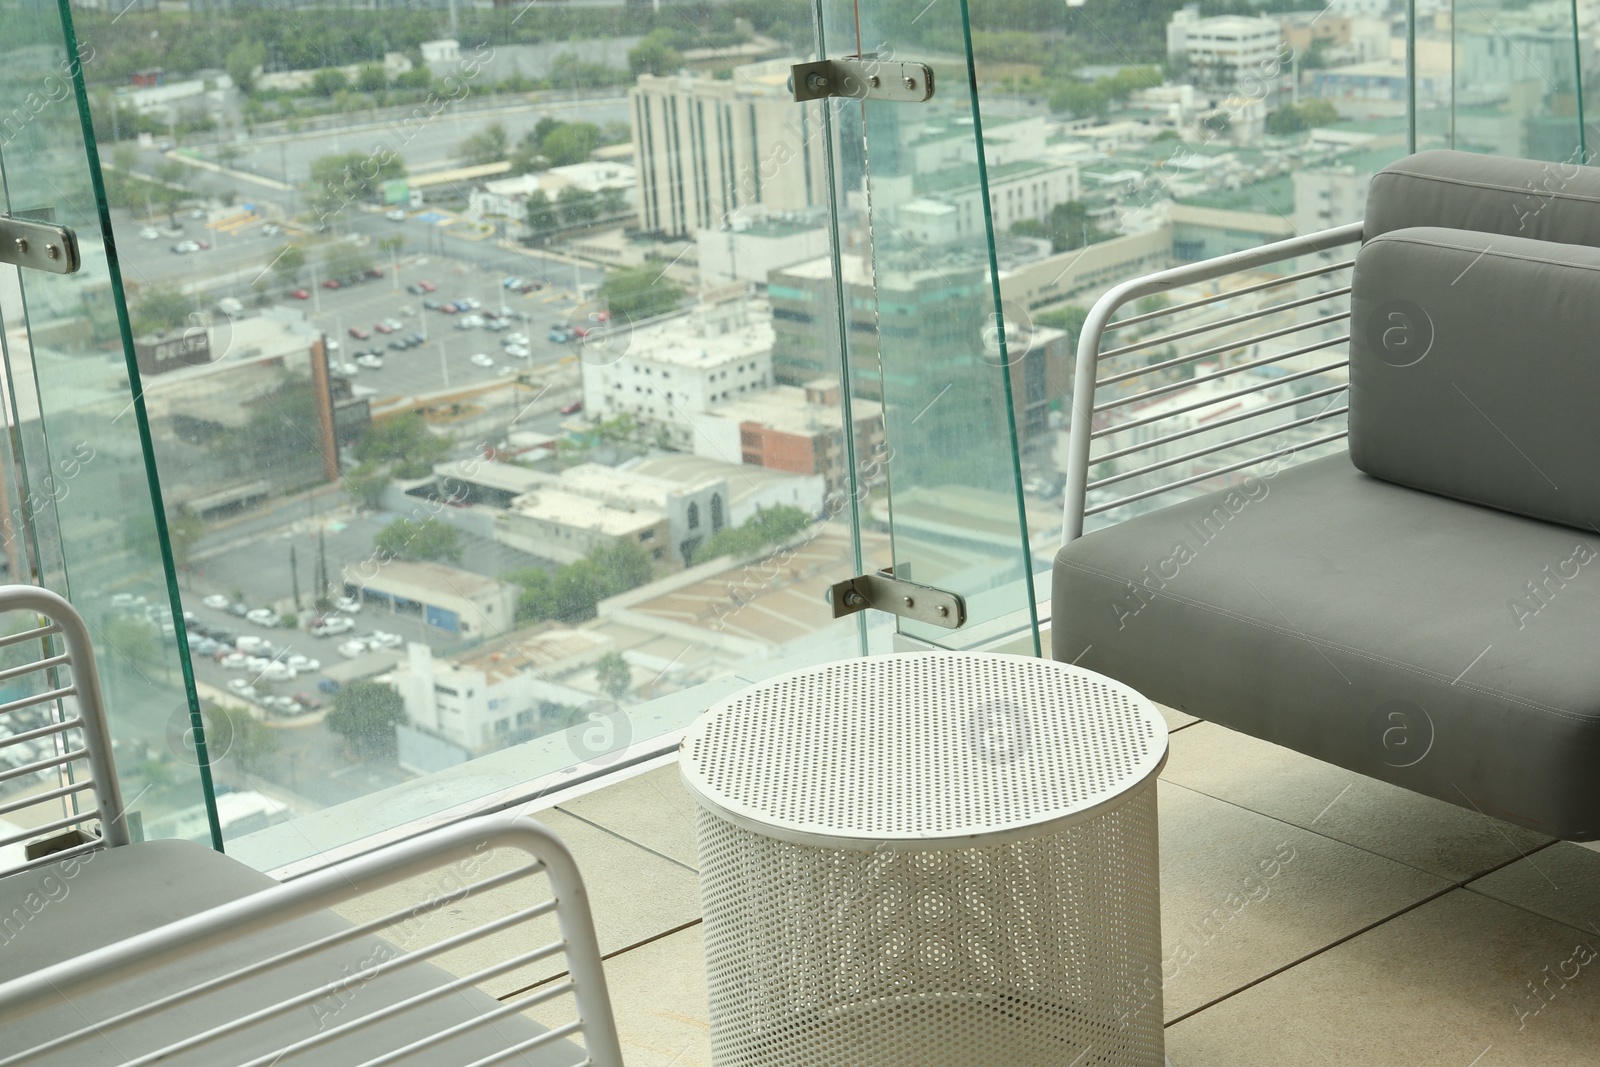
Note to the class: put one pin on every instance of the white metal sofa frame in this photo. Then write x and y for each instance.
(1374, 607)
(250, 970)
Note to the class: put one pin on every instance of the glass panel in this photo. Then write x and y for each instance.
(489, 545)
(83, 506)
(1514, 83)
(956, 391)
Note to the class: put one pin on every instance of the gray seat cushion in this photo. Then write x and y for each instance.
(57, 912)
(1488, 194)
(1441, 646)
(1474, 371)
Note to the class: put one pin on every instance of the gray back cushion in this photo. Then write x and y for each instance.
(1489, 194)
(1475, 369)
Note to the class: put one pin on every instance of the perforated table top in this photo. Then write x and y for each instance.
(923, 750)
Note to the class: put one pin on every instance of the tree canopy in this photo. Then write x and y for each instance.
(570, 593)
(365, 715)
(639, 292)
(427, 540)
(767, 527)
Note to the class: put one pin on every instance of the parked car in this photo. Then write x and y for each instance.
(380, 639)
(482, 359)
(185, 247)
(331, 283)
(510, 283)
(397, 215)
(394, 324)
(519, 351)
(301, 294)
(416, 290)
(328, 685)
(352, 649)
(560, 337)
(216, 600)
(416, 339)
(239, 608)
(572, 408)
(349, 370)
(426, 286)
(332, 625)
(250, 643)
(304, 663)
(235, 661)
(399, 344)
(383, 327)
(430, 305)
(447, 309)
(370, 361)
(358, 333)
(271, 229)
(307, 701)
(150, 233)
(373, 272)
(263, 617)
(349, 604)
(514, 339)
(238, 685)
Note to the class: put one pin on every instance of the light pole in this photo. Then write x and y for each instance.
(444, 366)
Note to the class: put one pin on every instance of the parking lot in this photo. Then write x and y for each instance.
(445, 358)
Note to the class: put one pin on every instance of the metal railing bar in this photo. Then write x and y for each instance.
(41, 698)
(1219, 324)
(452, 986)
(1178, 361)
(29, 668)
(40, 798)
(1229, 294)
(510, 1007)
(1230, 468)
(45, 828)
(1236, 394)
(56, 857)
(42, 731)
(44, 764)
(405, 959)
(28, 635)
(1199, 452)
(1178, 435)
(1235, 368)
(329, 941)
(532, 1043)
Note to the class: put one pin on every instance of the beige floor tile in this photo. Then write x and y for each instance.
(1243, 894)
(658, 994)
(1561, 882)
(1443, 839)
(1446, 985)
(1175, 719)
(652, 809)
(634, 894)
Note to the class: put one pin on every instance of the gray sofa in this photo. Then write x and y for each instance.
(1426, 608)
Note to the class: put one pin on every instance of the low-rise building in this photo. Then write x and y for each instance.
(795, 429)
(498, 694)
(675, 368)
(446, 598)
(564, 526)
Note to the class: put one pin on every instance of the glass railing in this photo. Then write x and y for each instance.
(519, 379)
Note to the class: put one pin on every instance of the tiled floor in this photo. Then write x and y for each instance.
(1400, 930)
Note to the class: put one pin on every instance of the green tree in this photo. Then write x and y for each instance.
(1069, 227)
(613, 674)
(427, 540)
(242, 62)
(1069, 318)
(289, 263)
(365, 715)
(184, 530)
(570, 142)
(250, 743)
(613, 202)
(541, 213)
(372, 78)
(654, 55)
(767, 527)
(1302, 116)
(329, 80)
(405, 442)
(343, 260)
(161, 307)
(571, 592)
(577, 205)
(336, 180)
(486, 146)
(639, 293)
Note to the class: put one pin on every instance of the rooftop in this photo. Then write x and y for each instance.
(402, 577)
(693, 341)
(565, 508)
(784, 408)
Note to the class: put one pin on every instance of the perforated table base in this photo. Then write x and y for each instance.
(881, 921)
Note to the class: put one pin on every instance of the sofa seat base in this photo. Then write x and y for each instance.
(1445, 647)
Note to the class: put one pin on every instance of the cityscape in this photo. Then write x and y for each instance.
(491, 354)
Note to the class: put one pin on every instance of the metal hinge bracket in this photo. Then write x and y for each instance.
(863, 78)
(38, 245)
(898, 597)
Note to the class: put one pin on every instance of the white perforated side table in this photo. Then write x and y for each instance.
(931, 859)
